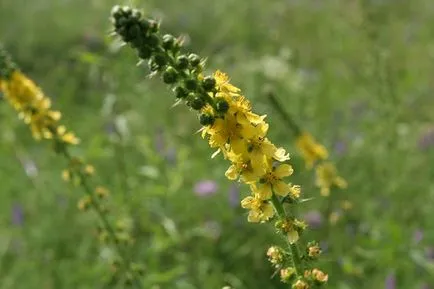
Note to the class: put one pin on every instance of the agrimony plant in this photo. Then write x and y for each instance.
(34, 108)
(231, 128)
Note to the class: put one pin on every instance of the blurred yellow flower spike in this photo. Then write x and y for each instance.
(310, 149)
(327, 177)
(35, 109)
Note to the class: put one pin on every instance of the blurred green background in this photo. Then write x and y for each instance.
(357, 74)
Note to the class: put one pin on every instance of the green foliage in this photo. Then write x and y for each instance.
(356, 74)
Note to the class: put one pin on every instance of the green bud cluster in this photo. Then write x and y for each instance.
(182, 71)
(7, 66)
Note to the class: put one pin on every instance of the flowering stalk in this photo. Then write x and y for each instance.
(235, 131)
(315, 154)
(35, 109)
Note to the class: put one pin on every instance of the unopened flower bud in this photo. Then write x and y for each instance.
(208, 83)
(153, 40)
(196, 102)
(168, 41)
(154, 26)
(116, 12)
(222, 105)
(157, 62)
(190, 84)
(127, 11)
(182, 62)
(170, 75)
(136, 15)
(194, 59)
(145, 52)
(180, 92)
(206, 119)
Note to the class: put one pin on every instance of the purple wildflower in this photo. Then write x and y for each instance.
(234, 195)
(205, 188)
(429, 253)
(390, 282)
(426, 140)
(417, 236)
(17, 215)
(340, 147)
(160, 144)
(314, 219)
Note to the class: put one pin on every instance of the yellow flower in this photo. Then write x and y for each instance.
(250, 172)
(233, 129)
(334, 217)
(327, 176)
(272, 181)
(89, 170)
(84, 203)
(346, 205)
(275, 255)
(314, 251)
(287, 274)
(310, 149)
(295, 191)
(320, 276)
(260, 210)
(66, 175)
(101, 192)
(223, 85)
(67, 137)
(300, 284)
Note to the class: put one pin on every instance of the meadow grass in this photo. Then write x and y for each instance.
(356, 74)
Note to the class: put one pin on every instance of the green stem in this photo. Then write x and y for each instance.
(295, 253)
(284, 114)
(103, 218)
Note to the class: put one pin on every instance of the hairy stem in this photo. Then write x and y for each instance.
(293, 248)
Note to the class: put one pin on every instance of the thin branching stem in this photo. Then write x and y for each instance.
(293, 248)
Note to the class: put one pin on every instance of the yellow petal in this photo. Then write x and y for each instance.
(250, 177)
(232, 173)
(283, 170)
(254, 217)
(293, 236)
(264, 191)
(281, 188)
(215, 153)
(246, 203)
(238, 145)
(341, 183)
(281, 155)
(325, 191)
(268, 149)
(295, 191)
(267, 212)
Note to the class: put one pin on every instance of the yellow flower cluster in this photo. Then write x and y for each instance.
(310, 149)
(35, 109)
(241, 136)
(326, 172)
(327, 176)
